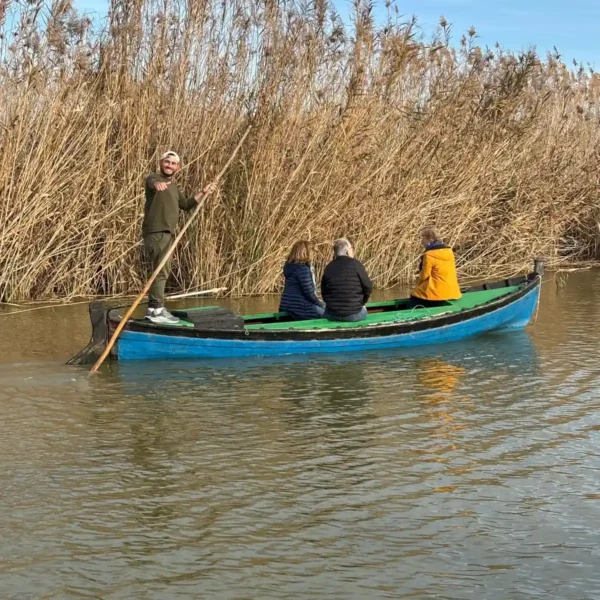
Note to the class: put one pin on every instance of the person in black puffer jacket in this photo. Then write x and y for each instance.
(299, 298)
(345, 285)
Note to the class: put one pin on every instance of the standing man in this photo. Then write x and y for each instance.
(345, 285)
(161, 213)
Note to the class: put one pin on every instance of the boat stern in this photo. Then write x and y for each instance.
(99, 339)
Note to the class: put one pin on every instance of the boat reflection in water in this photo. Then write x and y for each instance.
(327, 426)
(426, 372)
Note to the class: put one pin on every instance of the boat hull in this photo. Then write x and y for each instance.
(514, 314)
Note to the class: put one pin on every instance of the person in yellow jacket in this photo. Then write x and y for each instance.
(437, 280)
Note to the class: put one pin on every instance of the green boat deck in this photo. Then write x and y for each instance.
(392, 311)
(469, 300)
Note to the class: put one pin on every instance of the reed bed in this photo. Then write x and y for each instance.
(360, 128)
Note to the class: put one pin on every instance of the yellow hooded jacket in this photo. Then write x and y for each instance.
(437, 280)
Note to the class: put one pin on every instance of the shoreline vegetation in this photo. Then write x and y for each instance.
(362, 128)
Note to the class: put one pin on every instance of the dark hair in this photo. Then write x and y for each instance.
(431, 235)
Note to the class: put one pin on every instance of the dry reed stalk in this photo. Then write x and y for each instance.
(357, 129)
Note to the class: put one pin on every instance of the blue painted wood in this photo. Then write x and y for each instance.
(136, 345)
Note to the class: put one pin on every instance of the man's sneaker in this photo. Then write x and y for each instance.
(161, 315)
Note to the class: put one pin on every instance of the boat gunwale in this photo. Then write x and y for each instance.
(529, 283)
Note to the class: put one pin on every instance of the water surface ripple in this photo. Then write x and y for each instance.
(461, 471)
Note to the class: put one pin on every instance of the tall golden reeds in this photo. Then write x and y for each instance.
(358, 129)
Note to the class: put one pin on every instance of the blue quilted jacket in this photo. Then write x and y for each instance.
(299, 298)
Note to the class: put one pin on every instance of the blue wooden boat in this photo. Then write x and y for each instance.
(215, 332)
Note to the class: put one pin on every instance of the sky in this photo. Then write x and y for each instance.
(573, 26)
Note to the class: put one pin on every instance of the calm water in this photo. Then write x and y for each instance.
(469, 470)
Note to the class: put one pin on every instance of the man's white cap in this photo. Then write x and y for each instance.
(170, 153)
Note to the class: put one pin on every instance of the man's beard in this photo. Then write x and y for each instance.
(168, 175)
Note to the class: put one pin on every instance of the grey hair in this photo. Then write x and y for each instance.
(341, 247)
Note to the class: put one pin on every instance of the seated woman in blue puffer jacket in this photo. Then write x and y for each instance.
(299, 298)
